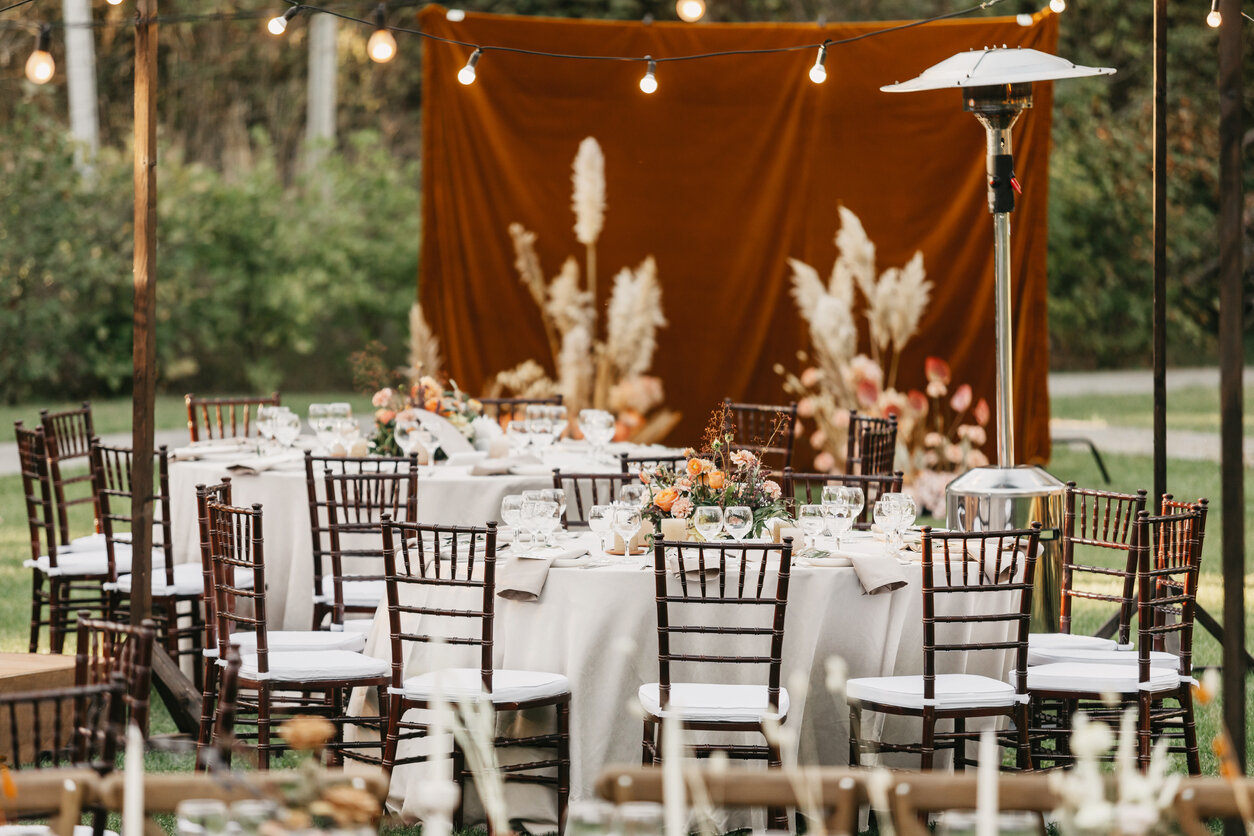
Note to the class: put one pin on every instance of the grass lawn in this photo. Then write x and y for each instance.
(1187, 409)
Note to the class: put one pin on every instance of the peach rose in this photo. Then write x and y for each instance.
(432, 405)
(645, 478)
(682, 508)
(382, 396)
(694, 467)
(706, 465)
(665, 498)
(383, 416)
(715, 480)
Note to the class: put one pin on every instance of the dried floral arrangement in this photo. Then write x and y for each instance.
(603, 368)
(939, 434)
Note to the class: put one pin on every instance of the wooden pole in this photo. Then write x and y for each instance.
(145, 342)
(1160, 253)
(1231, 361)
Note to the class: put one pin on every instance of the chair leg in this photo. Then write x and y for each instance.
(36, 608)
(391, 735)
(960, 744)
(337, 701)
(1190, 731)
(1024, 759)
(927, 758)
(855, 733)
(647, 743)
(56, 631)
(208, 702)
(263, 726)
(459, 775)
(776, 817)
(1144, 736)
(563, 764)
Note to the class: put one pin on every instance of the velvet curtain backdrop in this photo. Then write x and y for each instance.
(734, 165)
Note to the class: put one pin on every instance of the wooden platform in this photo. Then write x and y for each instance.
(23, 672)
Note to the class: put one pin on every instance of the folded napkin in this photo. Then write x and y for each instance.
(502, 466)
(522, 578)
(255, 465)
(218, 446)
(878, 573)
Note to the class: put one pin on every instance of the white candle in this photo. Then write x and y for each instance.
(986, 785)
(133, 783)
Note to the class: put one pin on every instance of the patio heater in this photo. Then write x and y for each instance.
(996, 86)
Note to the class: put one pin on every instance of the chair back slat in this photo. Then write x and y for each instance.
(209, 418)
(82, 725)
(237, 548)
(1168, 552)
(636, 464)
(871, 446)
(37, 491)
(422, 564)
(112, 474)
(1099, 520)
(221, 494)
(110, 648)
(583, 490)
(218, 756)
(68, 436)
(807, 489)
(504, 410)
(765, 430)
(721, 590)
(994, 573)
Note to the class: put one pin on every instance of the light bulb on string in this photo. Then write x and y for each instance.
(382, 45)
(1057, 6)
(466, 75)
(115, 2)
(1215, 17)
(40, 66)
(690, 11)
(278, 23)
(648, 84)
(818, 73)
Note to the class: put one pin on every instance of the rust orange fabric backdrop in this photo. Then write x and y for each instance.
(734, 165)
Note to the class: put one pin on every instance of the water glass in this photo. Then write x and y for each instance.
(708, 520)
(557, 415)
(540, 432)
(626, 523)
(601, 521)
(200, 817)
(511, 510)
(266, 416)
(320, 422)
(557, 495)
(550, 519)
(517, 435)
(631, 494)
(286, 427)
(856, 499)
(812, 522)
(598, 427)
(589, 817)
(840, 517)
(533, 512)
(738, 521)
(887, 513)
(406, 434)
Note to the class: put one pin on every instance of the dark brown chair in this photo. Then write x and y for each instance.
(237, 548)
(67, 436)
(871, 444)
(426, 564)
(109, 648)
(75, 574)
(1168, 558)
(81, 725)
(583, 490)
(971, 570)
(215, 755)
(503, 410)
(715, 605)
(807, 489)
(220, 493)
(766, 431)
(229, 417)
(635, 464)
(176, 590)
(316, 469)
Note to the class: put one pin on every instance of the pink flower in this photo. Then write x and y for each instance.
(953, 453)
(917, 400)
(936, 389)
(863, 368)
(772, 489)
(681, 508)
(840, 418)
(933, 439)
(382, 397)
(976, 458)
(805, 408)
(683, 483)
(936, 369)
(973, 433)
(810, 377)
(961, 401)
(818, 439)
(383, 416)
(981, 412)
(743, 458)
(868, 394)
(825, 462)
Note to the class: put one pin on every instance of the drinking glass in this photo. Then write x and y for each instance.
(640, 818)
(626, 523)
(266, 416)
(557, 414)
(250, 815)
(534, 412)
(557, 495)
(320, 423)
(906, 512)
(597, 426)
(406, 434)
(535, 495)
(708, 520)
(200, 817)
(601, 521)
(286, 427)
(856, 499)
(533, 512)
(589, 817)
(631, 494)
(511, 510)
(738, 521)
(516, 434)
(550, 519)
(839, 517)
(540, 432)
(887, 512)
(812, 522)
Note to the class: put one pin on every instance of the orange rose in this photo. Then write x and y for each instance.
(384, 416)
(665, 498)
(706, 465)
(432, 405)
(694, 467)
(715, 480)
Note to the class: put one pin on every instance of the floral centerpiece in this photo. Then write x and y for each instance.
(393, 405)
(720, 476)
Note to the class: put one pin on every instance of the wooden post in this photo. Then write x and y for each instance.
(1160, 254)
(1231, 314)
(145, 342)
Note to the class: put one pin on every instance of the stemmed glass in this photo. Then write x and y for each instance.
(550, 520)
(511, 512)
(856, 499)
(540, 432)
(341, 425)
(517, 435)
(631, 495)
(557, 495)
(320, 422)
(812, 522)
(738, 521)
(601, 521)
(407, 434)
(905, 515)
(597, 426)
(285, 427)
(557, 414)
(626, 524)
(888, 516)
(266, 416)
(708, 520)
(535, 516)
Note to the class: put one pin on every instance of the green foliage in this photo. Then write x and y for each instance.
(259, 284)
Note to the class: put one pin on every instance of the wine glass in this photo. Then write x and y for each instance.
(535, 495)
(597, 426)
(601, 521)
(708, 520)
(856, 498)
(626, 524)
(887, 512)
(533, 512)
(557, 414)
(266, 416)
(550, 519)
(557, 495)
(511, 511)
(738, 521)
(286, 427)
(320, 422)
(631, 494)
(406, 434)
(516, 434)
(904, 518)
(812, 521)
(540, 432)
(840, 517)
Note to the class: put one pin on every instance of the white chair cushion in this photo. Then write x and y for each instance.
(88, 560)
(358, 625)
(467, 684)
(1158, 658)
(699, 702)
(1081, 678)
(189, 579)
(953, 690)
(312, 666)
(97, 540)
(356, 593)
(45, 830)
(284, 641)
(1068, 641)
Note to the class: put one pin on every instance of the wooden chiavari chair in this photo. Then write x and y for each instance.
(720, 598)
(176, 590)
(583, 490)
(871, 445)
(807, 489)
(764, 430)
(1168, 557)
(503, 410)
(109, 648)
(67, 437)
(215, 754)
(74, 573)
(237, 547)
(635, 464)
(230, 417)
(980, 568)
(316, 468)
(447, 575)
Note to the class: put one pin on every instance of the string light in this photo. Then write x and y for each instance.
(1057, 6)
(1215, 17)
(278, 23)
(690, 11)
(648, 84)
(818, 73)
(115, 2)
(40, 66)
(466, 75)
(382, 45)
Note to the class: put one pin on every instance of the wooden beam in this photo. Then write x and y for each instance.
(144, 339)
(180, 695)
(1160, 254)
